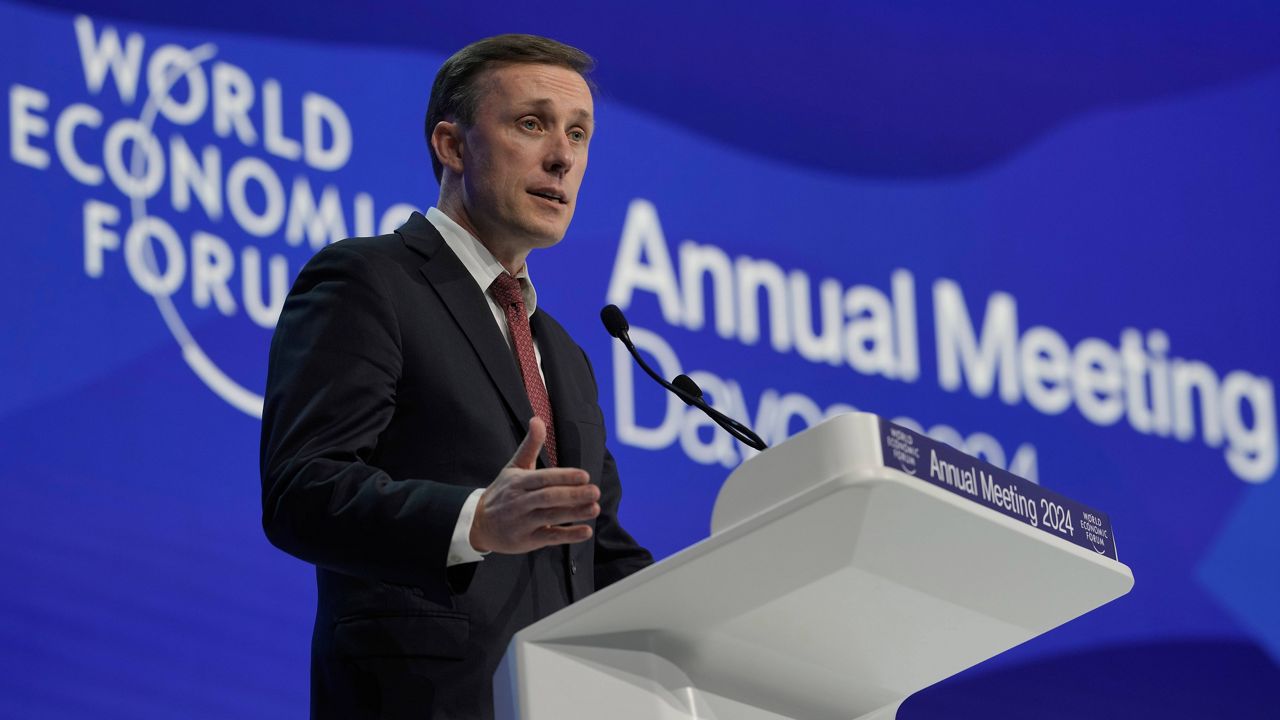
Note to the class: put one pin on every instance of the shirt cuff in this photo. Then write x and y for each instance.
(460, 550)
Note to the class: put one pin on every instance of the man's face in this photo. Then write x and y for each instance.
(525, 154)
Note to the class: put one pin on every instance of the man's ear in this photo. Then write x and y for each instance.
(447, 143)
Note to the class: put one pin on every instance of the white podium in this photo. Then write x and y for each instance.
(833, 586)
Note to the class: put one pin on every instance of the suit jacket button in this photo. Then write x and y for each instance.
(573, 568)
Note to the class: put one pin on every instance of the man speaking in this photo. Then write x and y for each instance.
(431, 438)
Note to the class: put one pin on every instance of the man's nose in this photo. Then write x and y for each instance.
(560, 155)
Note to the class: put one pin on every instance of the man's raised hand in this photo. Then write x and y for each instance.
(526, 508)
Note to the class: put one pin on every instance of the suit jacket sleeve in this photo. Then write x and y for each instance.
(617, 554)
(331, 389)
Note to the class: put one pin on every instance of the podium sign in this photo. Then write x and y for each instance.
(925, 458)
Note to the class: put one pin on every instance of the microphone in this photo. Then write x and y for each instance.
(686, 383)
(731, 426)
(616, 323)
(684, 388)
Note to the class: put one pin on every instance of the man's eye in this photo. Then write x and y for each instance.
(577, 135)
(529, 124)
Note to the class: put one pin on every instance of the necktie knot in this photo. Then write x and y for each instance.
(506, 290)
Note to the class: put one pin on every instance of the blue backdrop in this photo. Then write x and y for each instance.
(1046, 235)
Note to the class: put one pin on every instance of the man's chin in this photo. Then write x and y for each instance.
(544, 237)
(542, 243)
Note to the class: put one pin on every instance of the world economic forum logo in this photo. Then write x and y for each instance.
(208, 186)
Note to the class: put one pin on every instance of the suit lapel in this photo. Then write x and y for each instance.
(466, 303)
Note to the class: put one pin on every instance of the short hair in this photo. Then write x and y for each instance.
(456, 91)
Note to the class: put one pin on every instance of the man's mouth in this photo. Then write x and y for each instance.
(551, 195)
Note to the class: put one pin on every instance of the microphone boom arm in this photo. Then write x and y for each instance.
(616, 323)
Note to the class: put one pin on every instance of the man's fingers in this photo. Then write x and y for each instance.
(550, 477)
(561, 496)
(563, 515)
(561, 534)
(526, 456)
(526, 508)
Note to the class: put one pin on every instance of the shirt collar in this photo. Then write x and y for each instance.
(480, 263)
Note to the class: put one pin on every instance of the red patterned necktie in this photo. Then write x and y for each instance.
(506, 290)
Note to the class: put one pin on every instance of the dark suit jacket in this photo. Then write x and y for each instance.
(391, 396)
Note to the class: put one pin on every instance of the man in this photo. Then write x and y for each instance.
(431, 439)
